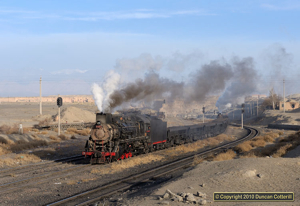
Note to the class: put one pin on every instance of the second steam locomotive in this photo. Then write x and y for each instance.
(121, 136)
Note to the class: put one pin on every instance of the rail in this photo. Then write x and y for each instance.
(95, 194)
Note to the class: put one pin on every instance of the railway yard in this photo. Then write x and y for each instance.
(55, 173)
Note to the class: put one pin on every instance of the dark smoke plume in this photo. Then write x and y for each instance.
(149, 89)
(210, 79)
(243, 83)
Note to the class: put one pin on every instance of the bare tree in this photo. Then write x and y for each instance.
(272, 97)
(272, 101)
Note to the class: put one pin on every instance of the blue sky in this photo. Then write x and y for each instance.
(72, 43)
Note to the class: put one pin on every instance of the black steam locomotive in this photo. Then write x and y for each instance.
(121, 136)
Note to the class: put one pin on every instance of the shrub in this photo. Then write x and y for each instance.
(5, 129)
(268, 138)
(258, 143)
(230, 154)
(45, 122)
(243, 147)
(54, 138)
(22, 145)
(63, 137)
(73, 137)
(3, 140)
(84, 132)
(282, 150)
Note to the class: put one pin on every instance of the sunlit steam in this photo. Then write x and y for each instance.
(111, 82)
(98, 96)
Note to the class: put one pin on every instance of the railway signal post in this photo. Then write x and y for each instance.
(59, 102)
(243, 110)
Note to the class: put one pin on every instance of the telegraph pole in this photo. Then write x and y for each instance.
(40, 95)
(283, 97)
(257, 106)
(203, 113)
(243, 110)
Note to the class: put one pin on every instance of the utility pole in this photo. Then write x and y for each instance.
(203, 113)
(40, 95)
(283, 98)
(257, 106)
(243, 110)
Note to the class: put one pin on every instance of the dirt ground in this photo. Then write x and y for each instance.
(28, 114)
(236, 175)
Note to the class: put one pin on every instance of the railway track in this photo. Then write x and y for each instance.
(102, 191)
(36, 166)
(18, 184)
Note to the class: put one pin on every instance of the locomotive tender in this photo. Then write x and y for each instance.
(121, 136)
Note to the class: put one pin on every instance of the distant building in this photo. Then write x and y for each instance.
(289, 105)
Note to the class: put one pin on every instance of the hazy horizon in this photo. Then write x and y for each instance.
(71, 46)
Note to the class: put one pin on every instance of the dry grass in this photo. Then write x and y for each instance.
(5, 129)
(197, 160)
(280, 133)
(3, 140)
(54, 138)
(243, 147)
(71, 182)
(73, 131)
(84, 132)
(278, 149)
(258, 143)
(126, 164)
(268, 138)
(19, 159)
(195, 146)
(222, 137)
(35, 130)
(249, 155)
(45, 122)
(73, 137)
(63, 137)
(4, 149)
(44, 132)
(23, 145)
(26, 130)
(87, 180)
(230, 154)
(36, 137)
(282, 150)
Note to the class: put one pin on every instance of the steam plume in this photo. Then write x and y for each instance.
(243, 83)
(98, 95)
(112, 80)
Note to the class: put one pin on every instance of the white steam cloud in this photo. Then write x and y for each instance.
(101, 94)
(112, 80)
(98, 95)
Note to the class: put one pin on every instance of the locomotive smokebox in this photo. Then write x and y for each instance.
(104, 118)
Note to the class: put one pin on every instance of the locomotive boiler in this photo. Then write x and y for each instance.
(124, 135)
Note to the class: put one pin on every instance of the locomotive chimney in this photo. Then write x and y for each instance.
(104, 118)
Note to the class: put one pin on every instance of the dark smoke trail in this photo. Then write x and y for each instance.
(210, 79)
(244, 82)
(148, 89)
